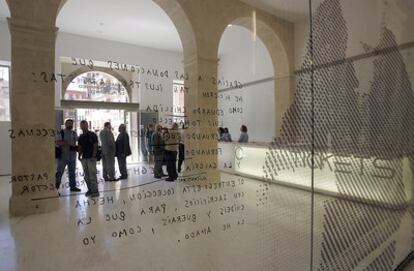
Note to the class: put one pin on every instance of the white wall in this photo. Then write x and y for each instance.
(246, 60)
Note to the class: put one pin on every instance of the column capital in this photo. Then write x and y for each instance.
(32, 35)
(16, 24)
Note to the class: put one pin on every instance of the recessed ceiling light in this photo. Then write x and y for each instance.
(229, 25)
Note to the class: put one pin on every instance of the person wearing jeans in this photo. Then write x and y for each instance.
(88, 147)
(66, 141)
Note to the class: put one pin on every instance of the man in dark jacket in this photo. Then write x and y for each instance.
(123, 150)
(88, 147)
(158, 149)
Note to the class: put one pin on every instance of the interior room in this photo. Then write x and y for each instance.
(206, 135)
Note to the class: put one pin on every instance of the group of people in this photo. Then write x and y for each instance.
(163, 145)
(225, 136)
(87, 149)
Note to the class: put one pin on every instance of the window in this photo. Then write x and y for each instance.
(4, 93)
(178, 100)
(96, 86)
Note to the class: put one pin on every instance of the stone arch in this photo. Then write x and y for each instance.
(277, 41)
(83, 70)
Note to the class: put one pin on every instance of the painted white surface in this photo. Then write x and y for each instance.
(256, 111)
(242, 56)
(248, 62)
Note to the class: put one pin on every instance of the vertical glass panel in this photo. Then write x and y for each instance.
(363, 108)
(294, 148)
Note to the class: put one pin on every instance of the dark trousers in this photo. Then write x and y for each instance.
(158, 160)
(180, 156)
(62, 163)
(122, 165)
(171, 159)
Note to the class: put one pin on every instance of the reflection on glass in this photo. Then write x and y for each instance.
(4, 94)
(96, 86)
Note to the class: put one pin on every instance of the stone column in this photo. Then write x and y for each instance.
(201, 135)
(32, 117)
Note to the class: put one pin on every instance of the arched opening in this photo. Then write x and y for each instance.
(143, 51)
(282, 63)
(260, 70)
(100, 87)
(246, 91)
(110, 85)
(96, 86)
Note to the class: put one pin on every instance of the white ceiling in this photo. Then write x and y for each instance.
(142, 22)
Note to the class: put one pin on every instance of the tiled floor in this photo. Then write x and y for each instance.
(148, 224)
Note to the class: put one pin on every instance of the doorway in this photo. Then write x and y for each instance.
(97, 117)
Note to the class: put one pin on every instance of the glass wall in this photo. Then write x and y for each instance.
(362, 107)
(315, 171)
